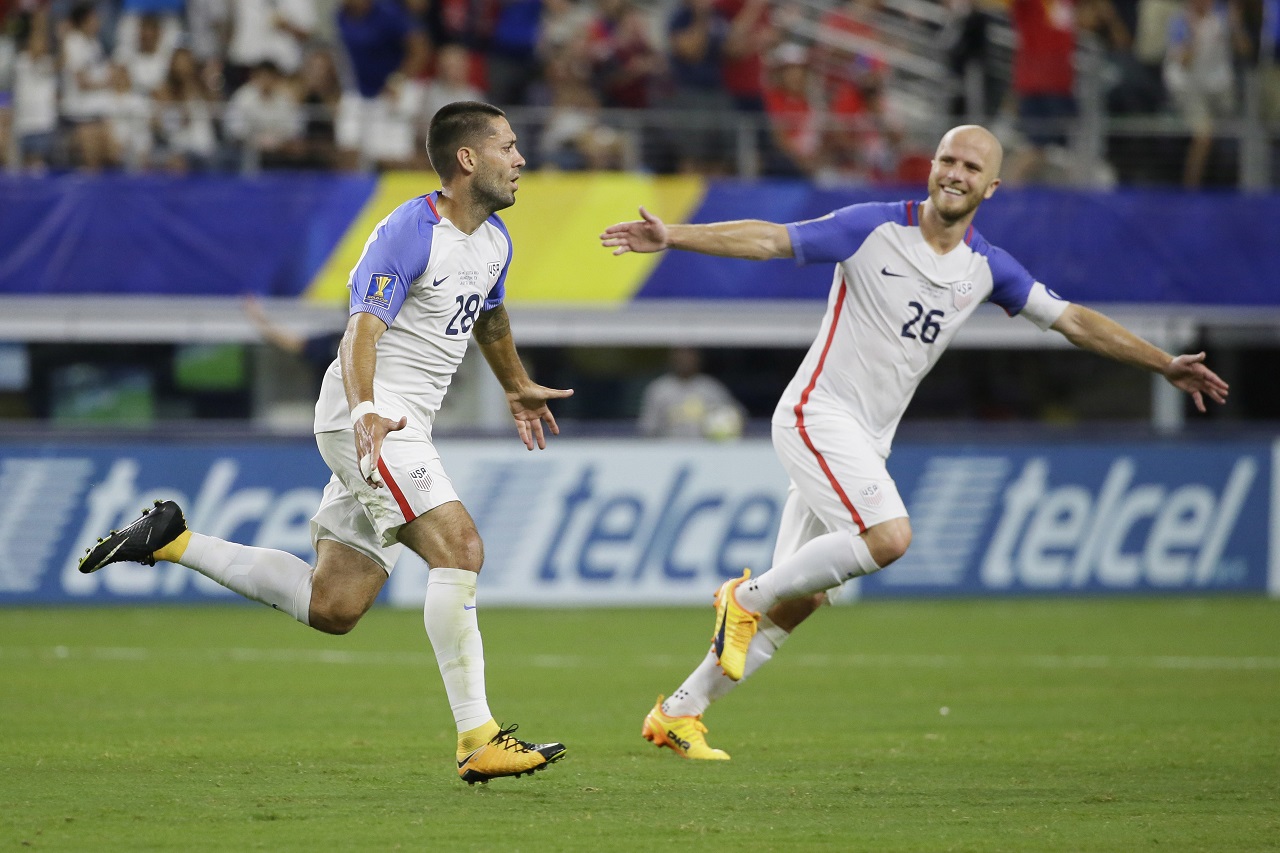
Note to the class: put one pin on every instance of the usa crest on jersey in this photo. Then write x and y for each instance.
(421, 478)
(962, 294)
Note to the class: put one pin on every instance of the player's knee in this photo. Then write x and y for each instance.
(469, 553)
(788, 614)
(889, 540)
(335, 622)
(335, 615)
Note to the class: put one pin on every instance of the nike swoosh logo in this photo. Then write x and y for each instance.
(438, 282)
(110, 554)
(468, 607)
(885, 271)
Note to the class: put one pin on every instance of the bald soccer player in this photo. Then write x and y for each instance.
(907, 275)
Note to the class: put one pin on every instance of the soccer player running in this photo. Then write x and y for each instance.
(432, 276)
(907, 275)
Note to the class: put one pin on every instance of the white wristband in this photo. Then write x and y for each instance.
(362, 409)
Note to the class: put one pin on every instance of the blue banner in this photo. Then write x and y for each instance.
(271, 235)
(632, 522)
(175, 236)
(1091, 247)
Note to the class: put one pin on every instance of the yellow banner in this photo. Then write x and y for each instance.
(555, 225)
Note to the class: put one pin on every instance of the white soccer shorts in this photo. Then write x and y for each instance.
(838, 482)
(367, 519)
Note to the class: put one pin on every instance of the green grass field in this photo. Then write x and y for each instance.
(1072, 725)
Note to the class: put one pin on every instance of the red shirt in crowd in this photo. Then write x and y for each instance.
(1046, 32)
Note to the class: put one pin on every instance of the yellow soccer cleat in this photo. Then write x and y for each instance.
(684, 735)
(735, 627)
(505, 755)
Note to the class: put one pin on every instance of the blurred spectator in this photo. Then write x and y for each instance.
(867, 141)
(574, 137)
(1151, 34)
(698, 31)
(147, 59)
(452, 82)
(1043, 80)
(320, 95)
(627, 64)
(128, 121)
(1131, 87)
(165, 16)
(965, 38)
(208, 25)
(562, 22)
(687, 403)
(392, 122)
(8, 57)
(274, 31)
(183, 117)
(796, 125)
(825, 125)
(470, 23)
(1269, 61)
(380, 39)
(264, 116)
(849, 50)
(512, 62)
(35, 96)
(750, 38)
(84, 87)
(1199, 72)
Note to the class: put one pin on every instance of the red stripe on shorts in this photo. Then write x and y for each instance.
(804, 398)
(395, 492)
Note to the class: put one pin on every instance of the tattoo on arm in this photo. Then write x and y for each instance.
(492, 325)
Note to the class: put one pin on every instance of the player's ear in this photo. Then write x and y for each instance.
(991, 188)
(467, 160)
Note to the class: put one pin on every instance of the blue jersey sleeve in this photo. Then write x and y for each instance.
(836, 236)
(498, 292)
(394, 258)
(1010, 281)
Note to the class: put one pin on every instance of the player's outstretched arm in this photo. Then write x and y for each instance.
(750, 239)
(527, 399)
(1098, 333)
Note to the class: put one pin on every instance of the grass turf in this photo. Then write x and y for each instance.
(1071, 725)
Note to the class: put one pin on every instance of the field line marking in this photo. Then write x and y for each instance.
(338, 657)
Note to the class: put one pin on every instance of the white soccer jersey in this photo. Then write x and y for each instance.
(428, 282)
(894, 306)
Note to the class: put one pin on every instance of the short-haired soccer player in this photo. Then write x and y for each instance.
(432, 276)
(907, 275)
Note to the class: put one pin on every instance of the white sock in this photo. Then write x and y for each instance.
(707, 682)
(822, 563)
(275, 578)
(450, 617)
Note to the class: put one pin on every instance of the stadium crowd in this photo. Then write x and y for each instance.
(828, 89)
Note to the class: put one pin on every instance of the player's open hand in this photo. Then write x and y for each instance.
(647, 234)
(529, 408)
(370, 432)
(1188, 373)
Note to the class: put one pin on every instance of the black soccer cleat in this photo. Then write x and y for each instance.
(137, 543)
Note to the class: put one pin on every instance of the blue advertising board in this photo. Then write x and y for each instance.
(633, 522)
